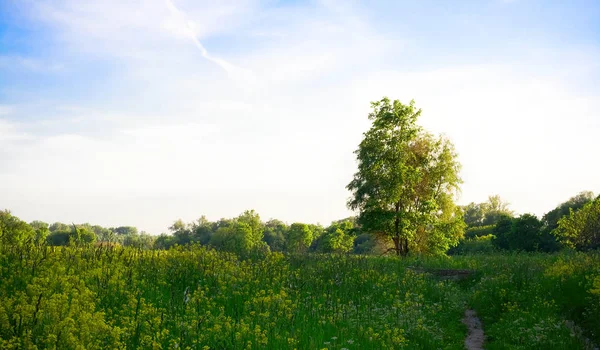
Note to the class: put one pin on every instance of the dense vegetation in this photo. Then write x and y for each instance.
(243, 283)
(574, 224)
(97, 297)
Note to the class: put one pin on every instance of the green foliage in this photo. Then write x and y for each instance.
(140, 241)
(337, 238)
(551, 218)
(81, 235)
(479, 231)
(58, 238)
(487, 213)
(406, 180)
(182, 232)
(41, 231)
(581, 229)
(14, 231)
(502, 233)
(476, 245)
(525, 234)
(116, 298)
(494, 209)
(242, 235)
(299, 238)
(59, 226)
(274, 235)
(125, 230)
(522, 234)
(202, 230)
(337, 241)
(96, 297)
(164, 241)
(536, 301)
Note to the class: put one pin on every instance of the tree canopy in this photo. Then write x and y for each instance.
(581, 229)
(406, 181)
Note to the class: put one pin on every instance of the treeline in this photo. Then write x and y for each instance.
(245, 233)
(492, 226)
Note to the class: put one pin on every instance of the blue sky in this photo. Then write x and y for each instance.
(142, 112)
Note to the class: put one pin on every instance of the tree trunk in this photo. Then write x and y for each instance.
(396, 238)
(397, 244)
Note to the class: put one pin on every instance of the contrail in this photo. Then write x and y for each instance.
(189, 31)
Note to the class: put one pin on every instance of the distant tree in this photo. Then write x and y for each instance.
(222, 223)
(202, 230)
(103, 234)
(182, 232)
(274, 234)
(14, 231)
(81, 236)
(141, 241)
(41, 231)
(522, 233)
(337, 241)
(125, 230)
(58, 238)
(252, 220)
(59, 226)
(494, 209)
(337, 238)
(406, 178)
(486, 213)
(551, 218)
(164, 241)
(242, 235)
(502, 232)
(526, 233)
(473, 214)
(146, 240)
(581, 229)
(36, 224)
(299, 238)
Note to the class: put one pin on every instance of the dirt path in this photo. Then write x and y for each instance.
(578, 332)
(475, 338)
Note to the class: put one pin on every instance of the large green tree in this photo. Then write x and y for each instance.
(406, 181)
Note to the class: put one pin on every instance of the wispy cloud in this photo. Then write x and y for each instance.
(16, 62)
(5, 110)
(186, 27)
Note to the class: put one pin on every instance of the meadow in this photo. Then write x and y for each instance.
(197, 298)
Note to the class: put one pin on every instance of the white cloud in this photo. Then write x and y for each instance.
(14, 63)
(6, 109)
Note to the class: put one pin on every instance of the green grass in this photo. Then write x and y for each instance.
(93, 297)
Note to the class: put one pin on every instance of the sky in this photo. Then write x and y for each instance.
(130, 112)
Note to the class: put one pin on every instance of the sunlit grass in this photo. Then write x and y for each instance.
(109, 297)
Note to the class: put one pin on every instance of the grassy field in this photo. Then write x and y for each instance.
(99, 297)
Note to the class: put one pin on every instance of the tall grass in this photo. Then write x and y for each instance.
(112, 297)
